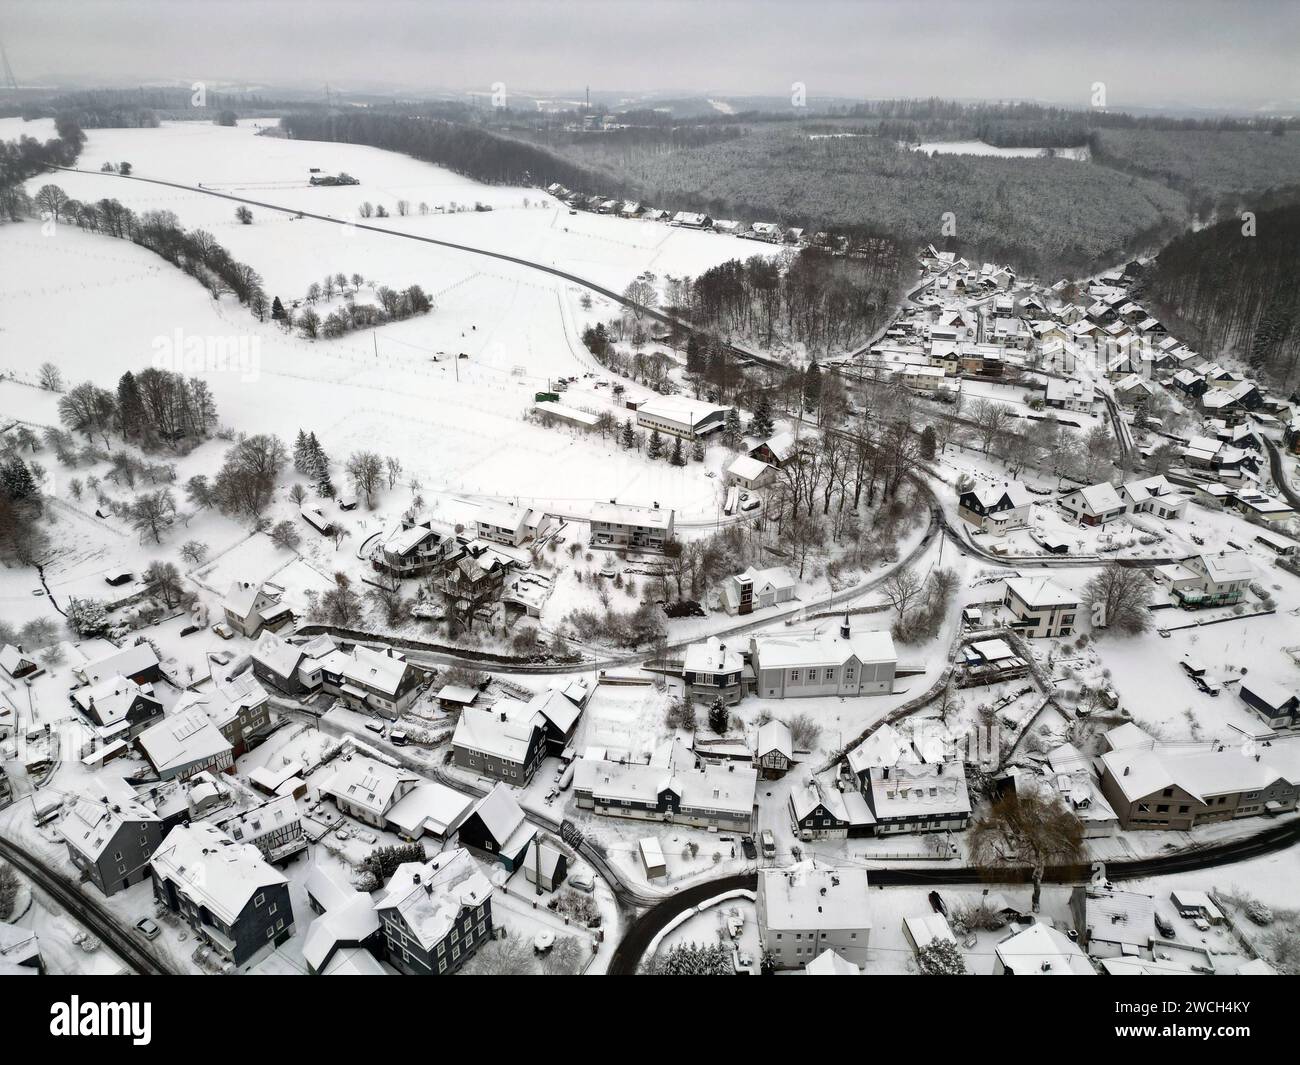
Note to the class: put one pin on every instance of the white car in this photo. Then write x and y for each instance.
(583, 882)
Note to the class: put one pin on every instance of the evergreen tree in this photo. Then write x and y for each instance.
(16, 481)
(719, 716)
(302, 454)
(697, 452)
(656, 445)
(131, 416)
(629, 435)
(277, 310)
(812, 386)
(928, 441)
(761, 426)
(694, 363)
(732, 435)
(677, 458)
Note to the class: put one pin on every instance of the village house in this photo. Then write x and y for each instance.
(681, 416)
(1220, 579)
(120, 709)
(492, 742)
(750, 472)
(1258, 507)
(804, 911)
(234, 901)
(757, 589)
(710, 671)
(345, 939)
(996, 508)
(290, 668)
(417, 547)
(435, 914)
(545, 866)
(1069, 776)
(238, 706)
(1040, 950)
(110, 837)
(503, 523)
(1096, 504)
(1134, 390)
(183, 744)
(273, 827)
(691, 220)
(720, 797)
(818, 812)
(17, 664)
(821, 662)
(20, 951)
(1113, 923)
(1039, 607)
(379, 681)
(368, 790)
(1078, 396)
(918, 797)
(250, 608)
(1278, 707)
(1153, 495)
(1176, 787)
(429, 809)
(138, 663)
(776, 450)
(620, 525)
(498, 827)
(774, 750)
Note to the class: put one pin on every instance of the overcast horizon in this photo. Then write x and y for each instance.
(1193, 54)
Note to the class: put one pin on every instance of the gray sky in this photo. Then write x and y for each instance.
(1152, 53)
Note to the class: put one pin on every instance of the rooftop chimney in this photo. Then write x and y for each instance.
(844, 629)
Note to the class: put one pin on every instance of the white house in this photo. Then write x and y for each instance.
(1096, 504)
(1040, 607)
(750, 472)
(804, 911)
(1153, 495)
(823, 662)
(996, 508)
(757, 589)
(504, 523)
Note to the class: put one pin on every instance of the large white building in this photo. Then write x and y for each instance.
(823, 662)
(681, 416)
(803, 911)
(622, 525)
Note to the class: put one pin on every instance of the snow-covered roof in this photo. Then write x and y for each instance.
(90, 824)
(728, 788)
(430, 807)
(1113, 916)
(1043, 951)
(885, 746)
(683, 409)
(278, 655)
(109, 700)
(1036, 592)
(501, 815)
(802, 898)
(212, 870)
(775, 735)
(712, 656)
(1202, 770)
(366, 783)
(828, 963)
(929, 790)
(429, 896)
(348, 918)
(822, 648)
(748, 468)
(627, 514)
(127, 663)
(496, 730)
(1099, 498)
(181, 740)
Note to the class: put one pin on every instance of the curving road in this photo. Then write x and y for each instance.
(105, 924)
(1278, 469)
(627, 956)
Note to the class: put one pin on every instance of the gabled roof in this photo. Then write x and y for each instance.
(496, 730)
(775, 736)
(182, 739)
(126, 662)
(1098, 498)
(500, 813)
(212, 870)
(89, 825)
(1043, 951)
(367, 783)
(430, 895)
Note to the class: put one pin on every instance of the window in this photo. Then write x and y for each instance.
(830, 675)
(259, 899)
(794, 676)
(1167, 792)
(849, 673)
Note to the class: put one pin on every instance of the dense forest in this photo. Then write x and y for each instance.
(466, 150)
(1215, 168)
(1235, 293)
(1047, 216)
(821, 301)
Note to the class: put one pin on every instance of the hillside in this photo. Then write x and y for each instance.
(1229, 293)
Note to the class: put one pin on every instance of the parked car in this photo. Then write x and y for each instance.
(148, 928)
(747, 845)
(398, 738)
(223, 630)
(769, 843)
(376, 727)
(583, 882)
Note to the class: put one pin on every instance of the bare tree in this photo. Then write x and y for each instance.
(902, 587)
(50, 377)
(365, 469)
(1117, 599)
(152, 512)
(1026, 830)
